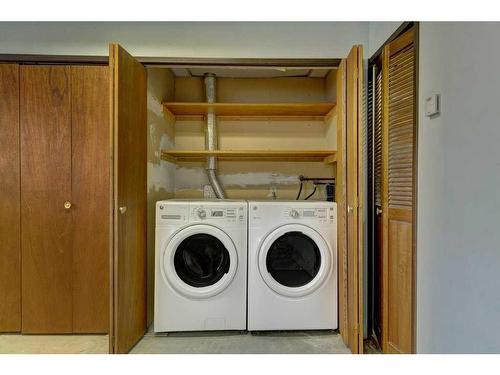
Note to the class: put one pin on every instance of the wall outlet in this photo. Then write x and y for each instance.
(208, 192)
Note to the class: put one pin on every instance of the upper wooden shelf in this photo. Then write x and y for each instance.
(257, 110)
(326, 156)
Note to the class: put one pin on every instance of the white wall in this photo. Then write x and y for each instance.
(186, 39)
(458, 258)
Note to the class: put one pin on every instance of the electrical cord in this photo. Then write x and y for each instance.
(300, 191)
(310, 195)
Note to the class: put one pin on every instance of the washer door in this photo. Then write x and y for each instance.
(200, 261)
(294, 260)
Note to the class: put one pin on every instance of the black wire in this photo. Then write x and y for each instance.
(300, 191)
(310, 195)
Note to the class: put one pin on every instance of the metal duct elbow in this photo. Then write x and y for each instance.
(211, 138)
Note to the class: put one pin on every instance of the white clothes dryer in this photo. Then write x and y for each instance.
(200, 265)
(292, 265)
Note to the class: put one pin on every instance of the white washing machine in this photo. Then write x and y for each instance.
(292, 265)
(201, 265)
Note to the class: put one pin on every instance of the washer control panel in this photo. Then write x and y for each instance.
(196, 213)
(228, 214)
(167, 214)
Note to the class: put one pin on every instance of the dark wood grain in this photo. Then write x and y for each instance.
(90, 198)
(129, 109)
(10, 216)
(45, 186)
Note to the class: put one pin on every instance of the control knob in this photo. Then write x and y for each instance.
(202, 214)
(294, 214)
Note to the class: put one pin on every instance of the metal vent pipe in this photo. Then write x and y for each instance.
(211, 138)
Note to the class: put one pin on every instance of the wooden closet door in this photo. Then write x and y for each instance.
(350, 213)
(341, 192)
(398, 198)
(10, 216)
(90, 197)
(128, 86)
(45, 187)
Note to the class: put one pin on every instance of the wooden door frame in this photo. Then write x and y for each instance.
(409, 32)
(152, 61)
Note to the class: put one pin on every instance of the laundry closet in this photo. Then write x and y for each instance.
(286, 130)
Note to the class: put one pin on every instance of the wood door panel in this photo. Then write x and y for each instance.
(378, 276)
(10, 215)
(128, 111)
(400, 285)
(45, 186)
(352, 199)
(353, 150)
(90, 198)
(398, 193)
(341, 192)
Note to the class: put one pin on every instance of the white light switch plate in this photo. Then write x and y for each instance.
(432, 105)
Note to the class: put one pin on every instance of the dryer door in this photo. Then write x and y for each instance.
(200, 261)
(294, 260)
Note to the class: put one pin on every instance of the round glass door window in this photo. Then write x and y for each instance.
(293, 259)
(201, 260)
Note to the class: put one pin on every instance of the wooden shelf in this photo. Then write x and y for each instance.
(326, 156)
(316, 111)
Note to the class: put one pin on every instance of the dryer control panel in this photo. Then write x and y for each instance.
(321, 215)
(310, 213)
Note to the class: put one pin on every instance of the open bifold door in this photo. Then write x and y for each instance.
(128, 85)
(350, 197)
(399, 155)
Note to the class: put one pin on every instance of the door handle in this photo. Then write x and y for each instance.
(67, 205)
(123, 209)
(349, 209)
(378, 211)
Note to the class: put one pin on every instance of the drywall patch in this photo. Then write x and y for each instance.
(154, 105)
(160, 172)
(195, 178)
(258, 179)
(158, 176)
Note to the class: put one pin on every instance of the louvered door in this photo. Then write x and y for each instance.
(398, 180)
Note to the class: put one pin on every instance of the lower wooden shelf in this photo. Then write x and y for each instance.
(326, 156)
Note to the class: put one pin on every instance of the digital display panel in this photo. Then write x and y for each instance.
(217, 213)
